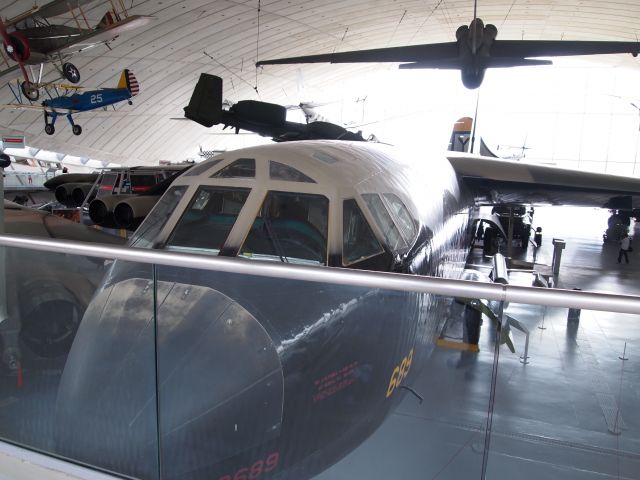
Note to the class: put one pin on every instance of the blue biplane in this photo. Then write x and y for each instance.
(82, 102)
(68, 105)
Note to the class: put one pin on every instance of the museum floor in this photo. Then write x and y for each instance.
(571, 412)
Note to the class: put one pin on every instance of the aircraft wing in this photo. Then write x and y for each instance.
(502, 181)
(39, 108)
(435, 52)
(101, 35)
(559, 48)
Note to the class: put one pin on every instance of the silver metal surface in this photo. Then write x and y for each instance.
(388, 281)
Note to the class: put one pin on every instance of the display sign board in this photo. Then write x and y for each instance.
(13, 141)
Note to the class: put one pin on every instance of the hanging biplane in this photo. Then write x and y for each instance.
(69, 103)
(30, 39)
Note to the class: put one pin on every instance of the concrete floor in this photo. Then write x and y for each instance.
(572, 412)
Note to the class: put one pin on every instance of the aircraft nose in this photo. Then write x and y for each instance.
(219, 380)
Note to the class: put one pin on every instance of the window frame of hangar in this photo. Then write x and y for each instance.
(373, 227)
(265, 194)
(166, 244)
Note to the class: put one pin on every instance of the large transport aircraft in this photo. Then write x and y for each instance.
(243, 363)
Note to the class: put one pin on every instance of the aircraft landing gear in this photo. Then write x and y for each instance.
(76, 129)
(49, 129)
(70, 72)
(30, 91)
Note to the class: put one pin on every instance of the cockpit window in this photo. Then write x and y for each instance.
(202, 167)
(150, 228)
(384, 221)
(280, 171)
(290, 228)
(403, 218)
(206, 223)
(359, 242)
(242, 168)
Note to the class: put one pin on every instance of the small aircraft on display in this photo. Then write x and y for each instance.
(30, 39)
(474, 51)
(270, 120)
(69, 105)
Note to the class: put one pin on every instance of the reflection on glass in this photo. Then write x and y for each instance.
(291, 228)
(77, 377)
(206, 223)
(242, 168)
(359, 242)
(276, 378)
(384, 221)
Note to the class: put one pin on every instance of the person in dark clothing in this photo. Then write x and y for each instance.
(625, 247)
(537, 238)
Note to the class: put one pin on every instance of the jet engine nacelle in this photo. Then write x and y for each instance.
(472, 77)
(64, 193)
(101, 210)
(130, 213)
(80, 192)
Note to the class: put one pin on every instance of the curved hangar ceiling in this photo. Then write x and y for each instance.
(167, 56)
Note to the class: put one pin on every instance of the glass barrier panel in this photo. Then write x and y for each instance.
(261, 377)
(570, 409)
(77, 376)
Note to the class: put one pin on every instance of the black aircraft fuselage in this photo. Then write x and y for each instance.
(262, 377)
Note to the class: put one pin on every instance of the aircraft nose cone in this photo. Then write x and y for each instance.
(219, 380)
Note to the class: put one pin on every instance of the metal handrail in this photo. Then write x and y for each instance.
(387, 281)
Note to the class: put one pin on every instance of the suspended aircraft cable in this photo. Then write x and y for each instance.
(396, 29)
(257, 48)
(229, 70)
(433, 10)
(508, 13)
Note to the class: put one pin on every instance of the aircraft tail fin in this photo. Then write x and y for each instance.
(108, 20)
(205, 105)
(461, 135)
(129, 81)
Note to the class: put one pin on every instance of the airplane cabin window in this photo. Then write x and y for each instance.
(150, 228)
(359, 242)
(202, 167)
(290, 228)
(384, 221)
(207, 221)
(241, 168)
(402, 216)
(280, 171)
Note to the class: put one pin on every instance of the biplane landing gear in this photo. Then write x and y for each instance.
(76, 129)
(30, 91)
(70, 72)
(49, 129)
